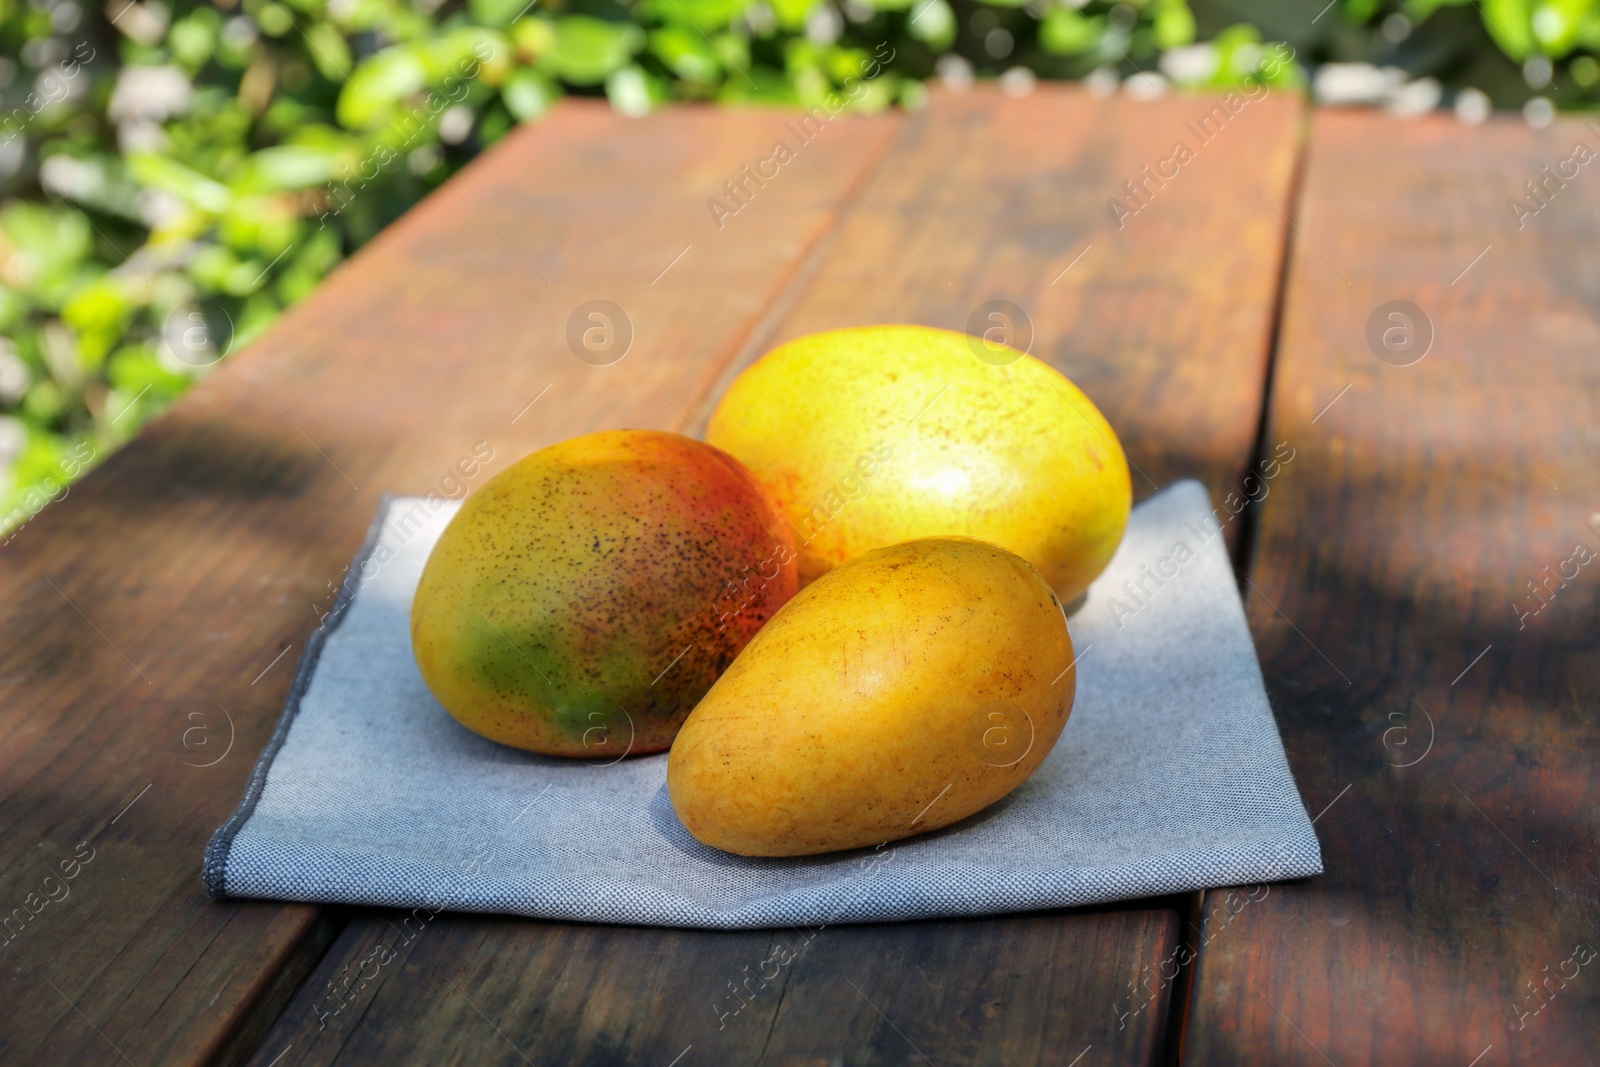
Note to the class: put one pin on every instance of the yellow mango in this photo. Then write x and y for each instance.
(871, 436)
(901, 692)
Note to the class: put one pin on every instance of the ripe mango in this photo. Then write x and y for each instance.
(900, 692)
(870, 436)
(584, 599)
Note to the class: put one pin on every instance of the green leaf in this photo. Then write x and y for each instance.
(311, 261)
(1556, 24)
(587, 50)
(260, 311)
(1510, 23)
(874, 94)
(1066, 33)
(934, 22)
(708, 16)
(845, 63)
(733, 49)
(287, 167)
(190, 186)
(685, 53)
(211, 266)
(494, 123)
(380, 83)
(1174, 25)
(44, 402)
(137, 369)
(193, 40)
(528, 94)
(630, 91)
(47, 464)
(470, 51)
(12, 307)
(273, 18)
(1418, 10)
(791, 14)
(98, 182)
(497, 12)
(49, 243)
(262, 226)
(769, 87)
(533, 38)
(99, 314)
(329, 51)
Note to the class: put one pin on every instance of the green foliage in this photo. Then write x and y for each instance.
(175, 173)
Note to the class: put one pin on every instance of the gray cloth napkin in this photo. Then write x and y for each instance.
(1170, 776)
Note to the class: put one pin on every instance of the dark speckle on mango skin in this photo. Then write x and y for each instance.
(584, 599)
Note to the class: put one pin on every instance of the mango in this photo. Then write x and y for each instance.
(584, 599)
(900, 692)
(870, 436)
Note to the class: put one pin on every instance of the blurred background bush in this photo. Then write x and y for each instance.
(173, 173)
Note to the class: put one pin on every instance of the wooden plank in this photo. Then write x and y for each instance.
(1168, 327)
(998, 991)
(1163, 317)
(149, 624)
(1033, 989)
(1450, 738)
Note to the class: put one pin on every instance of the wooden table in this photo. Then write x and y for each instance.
(1438, 710)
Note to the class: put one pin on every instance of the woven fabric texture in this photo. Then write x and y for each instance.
(1170, 776)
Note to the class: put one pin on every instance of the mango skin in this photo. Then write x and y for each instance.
(870, 436)
(901, 692)
(568, 583)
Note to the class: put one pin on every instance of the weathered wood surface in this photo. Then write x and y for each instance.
(1035, 989)
(142, 619)
(1450, 736)
(1168, 327)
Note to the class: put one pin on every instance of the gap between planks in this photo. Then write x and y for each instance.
(1181, 1003)
(754, 342)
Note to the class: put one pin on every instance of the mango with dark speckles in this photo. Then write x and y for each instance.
(584, 599)
(900, 692)
(873, 435)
